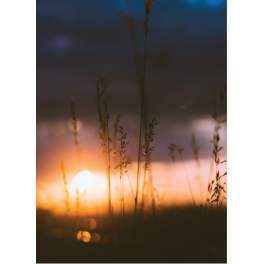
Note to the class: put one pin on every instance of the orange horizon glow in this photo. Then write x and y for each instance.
(89, 174)
(172, 190)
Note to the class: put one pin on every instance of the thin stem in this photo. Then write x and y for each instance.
(138, 168)
(209, 179)
(187, 179)
(131, 186)
(149, 137)
(102, 97)
(144, 178)
(143, 121)
(152, 194)
(121, 181)
(75, 132)
(109, 178)
(123, 164)
(123, 194)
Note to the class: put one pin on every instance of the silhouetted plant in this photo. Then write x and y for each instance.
(195, 150)
(143, 99)
(216, 190)
(121, 150)
(116, 127)
(141, 78)
(102, 109)
(149, 137)
(75, 132)
(78, 150)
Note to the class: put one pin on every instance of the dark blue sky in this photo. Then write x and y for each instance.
(80, 40)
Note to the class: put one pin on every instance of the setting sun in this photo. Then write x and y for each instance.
(85, 180)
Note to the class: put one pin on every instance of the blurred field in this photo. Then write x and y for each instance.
(185, 235)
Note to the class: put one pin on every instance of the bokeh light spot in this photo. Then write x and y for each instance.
(92, 224)
(79, 235)
(84, 236)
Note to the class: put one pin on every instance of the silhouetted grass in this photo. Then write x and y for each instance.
(78, 150)
(149, 137)
(215, 188)
(75, 132)
(143, 100)
(102, 109)
(122, 165)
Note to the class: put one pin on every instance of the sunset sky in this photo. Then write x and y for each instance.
(78, 41)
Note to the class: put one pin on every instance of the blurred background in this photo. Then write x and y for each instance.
(78, 41)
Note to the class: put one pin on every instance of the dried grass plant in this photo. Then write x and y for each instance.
(102, 110)
(215, 189)
(75, 132)
(143, 101)
(114, 137)
(78, 150)
(149, 137)
(195, 150)
(141, 81)
(121, 150)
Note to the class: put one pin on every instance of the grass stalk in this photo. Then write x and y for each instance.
(216, 192)
(116, 126)
(102, 109)
(195, 150)
(122, 166)
(75, 132)
(149, 137)
(143, 101)
(78, 151)
(209, 178)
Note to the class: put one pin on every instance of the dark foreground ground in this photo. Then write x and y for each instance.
(178, 235)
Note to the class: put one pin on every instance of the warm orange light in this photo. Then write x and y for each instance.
(92, 223)
(79, 235)
(89, 223)
(84, 236)
(85, 180)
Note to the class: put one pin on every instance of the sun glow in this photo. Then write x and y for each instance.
(85, 180)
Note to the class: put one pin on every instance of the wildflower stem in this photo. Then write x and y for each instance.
(187, 178)
(209, 179)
